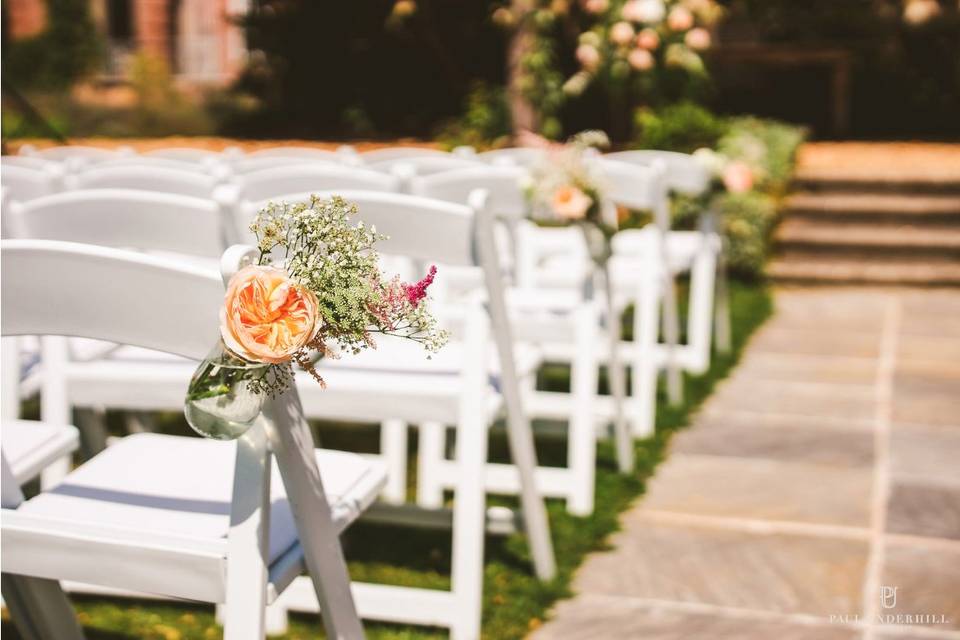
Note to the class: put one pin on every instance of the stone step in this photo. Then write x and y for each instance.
(877, 272)
(867, 239)
(874, 208)
(826, 181)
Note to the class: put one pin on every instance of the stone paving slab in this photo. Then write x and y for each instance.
(761, 490)
(741, 438)
(928, 582)
(822, 473)
(776, 573)
(929, 453)
(599, 618)
(798, 367)
(924, 510)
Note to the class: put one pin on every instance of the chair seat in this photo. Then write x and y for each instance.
(405, 383)
(31, 446)
(172, 493)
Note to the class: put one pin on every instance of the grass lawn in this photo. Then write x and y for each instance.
(514, 601)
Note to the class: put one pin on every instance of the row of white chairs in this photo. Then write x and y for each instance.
(464, 397)
(435, 472)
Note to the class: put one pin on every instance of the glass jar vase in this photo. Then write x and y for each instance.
(221, 403)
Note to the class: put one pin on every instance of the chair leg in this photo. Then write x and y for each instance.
(92, 423)
(55, 472)
(393, 449)
(430, 451)
(618, 381)
(40, 609)
(721, 319)
(469, 519)
(139, 422)
(671, 331)
(644, 398)
(248, 539)
(699, 318)
(292, 443)
(582, 437)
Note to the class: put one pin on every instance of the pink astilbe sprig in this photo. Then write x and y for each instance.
(418, 291)
(397, 309)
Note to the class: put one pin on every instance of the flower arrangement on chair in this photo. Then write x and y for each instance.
(316, 290)
(565, 187)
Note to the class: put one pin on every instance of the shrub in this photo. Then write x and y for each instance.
(683, 127)
(748, 221)
(773, 143)
(67, 50)
(485, 123)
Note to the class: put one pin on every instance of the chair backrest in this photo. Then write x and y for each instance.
(505, 196)
(514, 156)
(88, 155)
(153, 162)
(392, 154)
(186, 183)
(140, 220)
(418, 228)
(423, 165)
(184, 154)
(683, 173)
(304, 178)
(70, 289)
(247, 165)
(30, 162)
(636, 187)
(292, 151)
(23, 183)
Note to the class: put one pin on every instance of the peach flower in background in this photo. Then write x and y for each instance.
(641, 59)
(633, 10)
(621, 33)
(570, 203)
(680, 19)
(698, 39)
(596, 6)
(738, 177)
(920, 11)
(588, 56)
(266, 317)
(648, 39)
(649, 11)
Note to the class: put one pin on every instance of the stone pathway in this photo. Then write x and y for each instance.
(816, 495)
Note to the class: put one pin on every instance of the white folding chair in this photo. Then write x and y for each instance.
(30, 162)
(88, 374)
(305, 154)
(424, 165)
(191, 155)
(165, 180)
(295, 183)
(451, 389)
(31, 447)
(693, 252)
(310, 178)
(80, 153)
(173, 516)
(513, 156)
(26, 183)
(393, 154)
(545, 256)
(252, 164)
(537, 317)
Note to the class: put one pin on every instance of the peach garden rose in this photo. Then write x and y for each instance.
(570, 203)
(267, 317)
